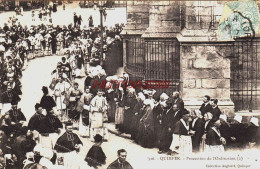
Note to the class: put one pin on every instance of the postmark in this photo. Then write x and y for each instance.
(239, 19)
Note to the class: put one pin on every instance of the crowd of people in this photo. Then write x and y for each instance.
(162, 123)
(41, 142)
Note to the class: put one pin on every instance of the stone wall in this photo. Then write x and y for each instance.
(205, 70)
(137, 17)
(164, 20)
(204, 63)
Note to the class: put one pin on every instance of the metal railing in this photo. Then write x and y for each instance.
(154, 60)
(245, 74)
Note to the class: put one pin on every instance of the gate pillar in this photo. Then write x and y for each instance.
(205, 63)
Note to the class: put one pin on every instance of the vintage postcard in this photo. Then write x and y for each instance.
(116, 84)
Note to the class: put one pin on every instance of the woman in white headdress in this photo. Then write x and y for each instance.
(119, 114)
(146, 126)
(137, 115)
(129, 104)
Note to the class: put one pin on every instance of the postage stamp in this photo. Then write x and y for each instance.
(239, 19)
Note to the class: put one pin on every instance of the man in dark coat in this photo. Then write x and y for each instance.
(68, 142)
(15, 120)
(182, 142)
(75, 19)
(121, 162)
(215, 111)
(47, 102)
(214, 140)
(205, 107)
(9, 95)
(15, 114)
(197, 125)
(176, 100)
(37, 119)
(171, 115)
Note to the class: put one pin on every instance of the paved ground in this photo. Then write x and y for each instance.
(38, 74)
(61, 17)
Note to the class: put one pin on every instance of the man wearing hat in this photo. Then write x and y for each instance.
(181, 142)
(98, 115)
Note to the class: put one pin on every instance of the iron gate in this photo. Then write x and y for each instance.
(157, 59)
(245, 74)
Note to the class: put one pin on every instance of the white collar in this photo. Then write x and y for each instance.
(185, 125)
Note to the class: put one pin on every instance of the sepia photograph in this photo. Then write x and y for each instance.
(129, 84)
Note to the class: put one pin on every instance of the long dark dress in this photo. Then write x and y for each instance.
(112, 106)
(137, 115)
(146, 129)
(130, 102)
(96, 157)
(158, 111)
